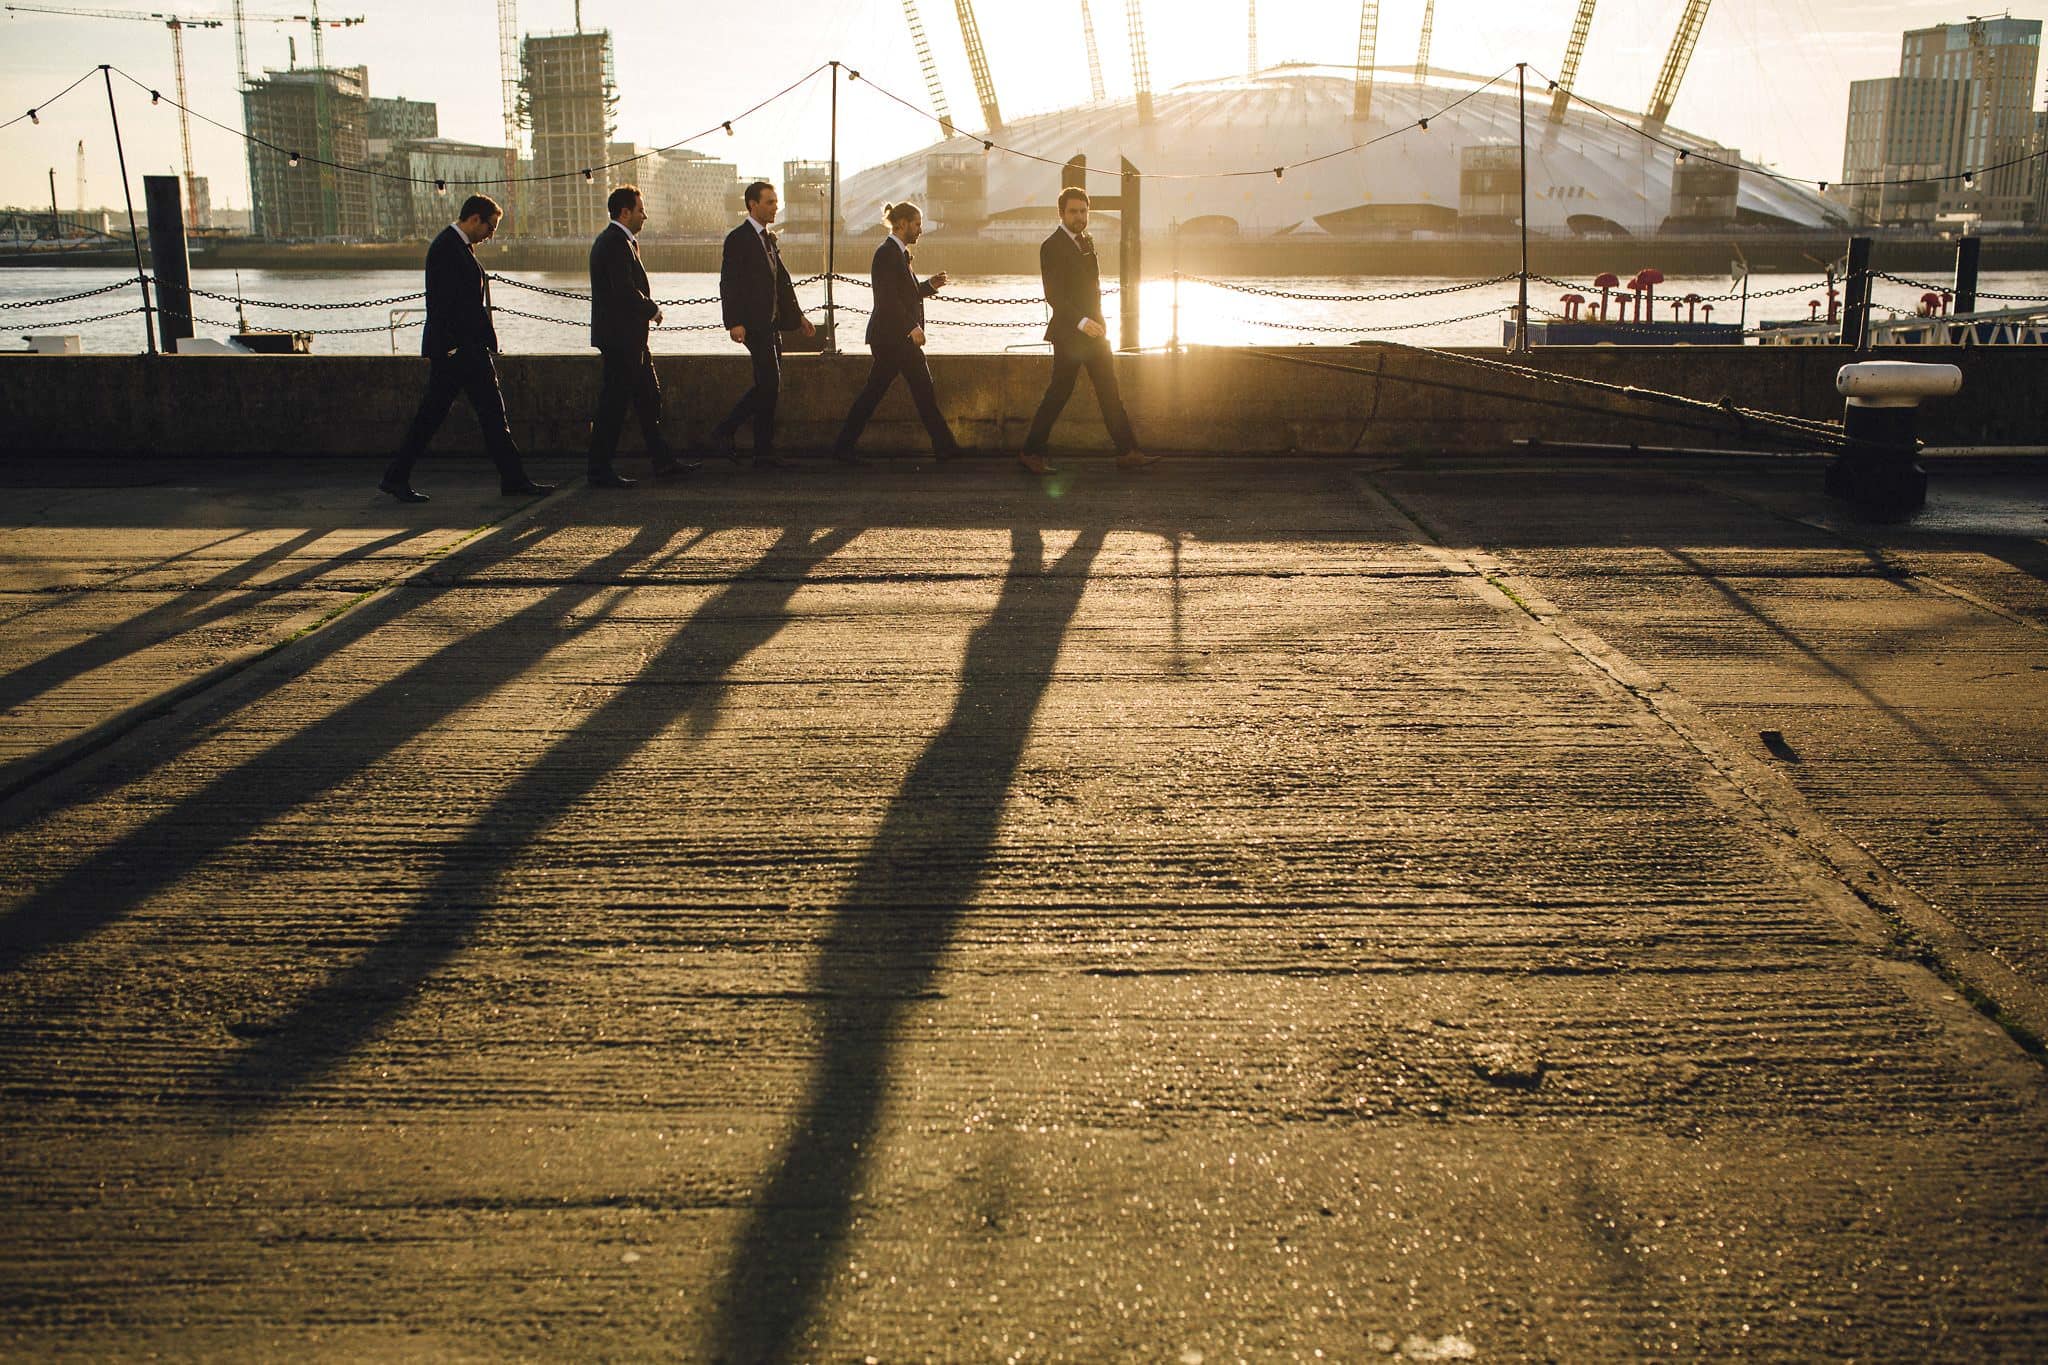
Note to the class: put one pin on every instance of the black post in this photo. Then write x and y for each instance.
(1967, 249)
(1522, 285)
(1856, 295)
(56, 223)
(134, 236)
(170, 257)
(1130, 254)
(831, 346)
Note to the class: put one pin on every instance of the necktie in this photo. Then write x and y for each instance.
(1086, 243)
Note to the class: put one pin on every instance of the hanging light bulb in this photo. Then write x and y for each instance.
(440, 187)
(987, 146)
(33, 119)
(1969, 180)
(587, 177)
(155, 97)
(1279, 172)
(1423, 124)
(851, 74)
(1823, 187)
(1682, 154)
(728, 127)
(294, 159)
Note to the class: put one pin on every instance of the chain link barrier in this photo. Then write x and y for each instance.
(1372, 329)
(1389, 297)
(70, 298)
(330, 307)
(1951, 289)
(80, 322)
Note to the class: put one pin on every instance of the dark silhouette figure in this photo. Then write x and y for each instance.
(885, 944)
(759, 303)
(461, 346)
(621, 310)
(896, 337)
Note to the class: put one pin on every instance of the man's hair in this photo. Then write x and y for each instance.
(756, 190)
(621, 199)
(899, 214)
(1071, 193)
(479, 206)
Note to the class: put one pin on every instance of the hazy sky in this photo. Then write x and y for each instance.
(1770, 76)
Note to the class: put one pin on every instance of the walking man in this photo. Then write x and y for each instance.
(896, 337)
(759, 302)
(1073, 290)
(621, 309)
(461, 345)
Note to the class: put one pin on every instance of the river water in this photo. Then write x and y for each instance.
(984, 313)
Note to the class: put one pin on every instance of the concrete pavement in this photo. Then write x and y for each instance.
(1252, 910)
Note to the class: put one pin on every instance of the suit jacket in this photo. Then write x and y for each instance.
(753, 293)
(620, 305)
(899, 294)
(457, 313)
(1073, 286)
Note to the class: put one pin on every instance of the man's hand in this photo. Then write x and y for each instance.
(937, 281)
(809, 329)
(657, 317)
(917, 336)
(738, 334)
(1091, 328)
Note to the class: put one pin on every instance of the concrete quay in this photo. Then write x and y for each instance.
(1253, 909)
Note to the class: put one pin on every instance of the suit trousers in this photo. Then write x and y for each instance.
(629, 380)
(893, 358)
(1069, 358)
(764, 347)
(472, 372)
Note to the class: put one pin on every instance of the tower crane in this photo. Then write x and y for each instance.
(81, 177)
(1673, 70)
(1251, 38)
(1422, 48)
(977, 62)
(1368, 45)
(932, 85)
(1574, 49)
(177, 24)
(1095, 90)
(508, 95)
(1141, 71)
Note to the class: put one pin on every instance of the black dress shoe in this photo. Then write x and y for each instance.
(672, 468)
(611, 478)
(403, 492)
(525, 488)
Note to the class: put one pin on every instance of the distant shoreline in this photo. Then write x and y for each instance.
(1469, 257)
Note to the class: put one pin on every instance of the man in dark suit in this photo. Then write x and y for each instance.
(1073, 290)
(896, 337)
(621, 309)
(760, 304)
(460, 343)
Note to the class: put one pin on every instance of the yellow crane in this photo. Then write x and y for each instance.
(932, 85)
(1368, 53)
(1575, 48)
(1095, 89)
(977, 63)
(1673, 70)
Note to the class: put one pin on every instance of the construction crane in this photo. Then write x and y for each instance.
(1095, 90)
(977, 62)
(1141, 72)
(1368, 45)
(1673, 70)
(177, 24)
(932, 85)
(508, 95)
(1422, 48)
(1582, 23)
(81, 176)
(1251, 37)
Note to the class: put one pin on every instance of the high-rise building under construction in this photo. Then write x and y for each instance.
(567, 93)
(316, 114)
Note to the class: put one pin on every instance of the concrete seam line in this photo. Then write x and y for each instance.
(22, 798)
(1880, 899)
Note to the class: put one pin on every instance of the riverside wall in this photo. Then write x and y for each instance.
(1389, 400)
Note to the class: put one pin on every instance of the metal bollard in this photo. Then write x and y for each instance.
(1879, 472)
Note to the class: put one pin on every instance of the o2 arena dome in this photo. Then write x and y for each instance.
(1590, 174)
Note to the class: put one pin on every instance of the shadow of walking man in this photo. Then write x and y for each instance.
(689, 672)
(884, 945)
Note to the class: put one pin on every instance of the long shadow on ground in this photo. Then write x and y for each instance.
(102, 889)
(885, 943)
(326, 1027)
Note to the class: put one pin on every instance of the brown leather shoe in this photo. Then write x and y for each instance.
(1135, 459)
(1035, 464)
